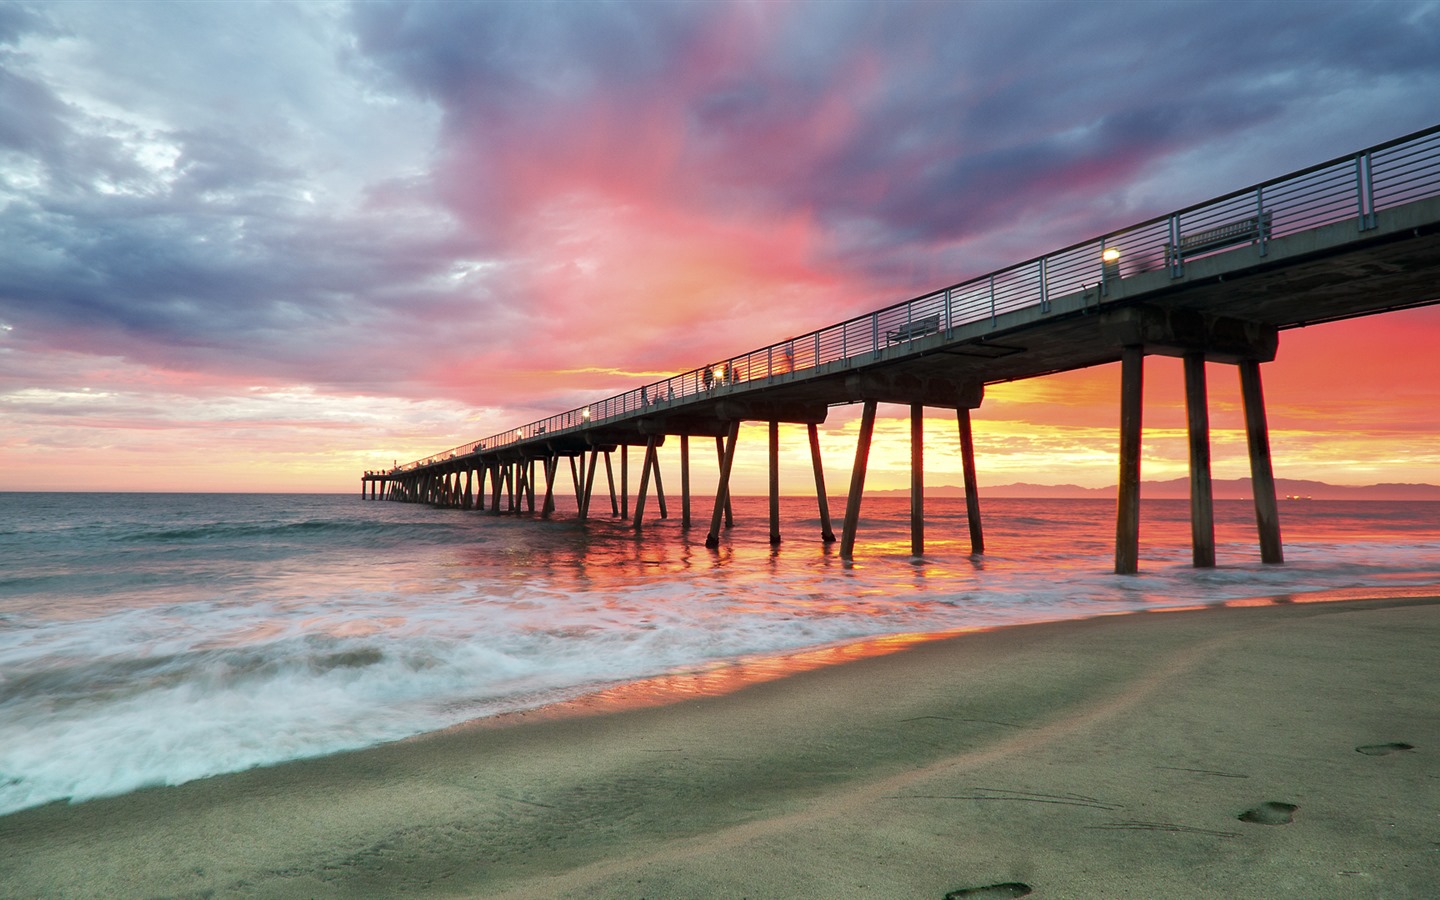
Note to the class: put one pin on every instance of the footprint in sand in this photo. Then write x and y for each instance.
(1384, 749)
(1270, 813)
(991, 892)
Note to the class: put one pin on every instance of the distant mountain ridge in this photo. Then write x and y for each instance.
(1179, 489)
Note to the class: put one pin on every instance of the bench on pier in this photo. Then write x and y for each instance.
(1245, 231)
(913, 330)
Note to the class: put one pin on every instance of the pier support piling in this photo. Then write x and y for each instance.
(722, 489)
(1127, 515)
(610, 480)
(774, 471)
(575, 468)
(551, 463)
(821, 499)
(857, 481)
(650, 463)
(972, 490)
(1262, 474)
(720, 458)
(1202, 502)
(624, 481)
(917, 479)
(684, 481)
(589, 484)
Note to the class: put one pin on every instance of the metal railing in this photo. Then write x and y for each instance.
(1357, 187)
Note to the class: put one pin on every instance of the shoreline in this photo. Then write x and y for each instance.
(1103, 756)
(728, 676)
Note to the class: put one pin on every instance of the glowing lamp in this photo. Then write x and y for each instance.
(1110, 255)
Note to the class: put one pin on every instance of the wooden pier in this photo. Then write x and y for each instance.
(1213, 283)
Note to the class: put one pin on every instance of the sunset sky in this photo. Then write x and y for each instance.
(266, 246)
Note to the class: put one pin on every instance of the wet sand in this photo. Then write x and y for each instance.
(1270, 751)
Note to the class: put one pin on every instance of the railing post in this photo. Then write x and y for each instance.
(1365, 190)
(949, 320)
(1177, 265)
(1260, 226)
(992, 301)
(1044, 288)
(875, 334)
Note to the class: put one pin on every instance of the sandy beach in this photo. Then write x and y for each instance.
(1267, 751)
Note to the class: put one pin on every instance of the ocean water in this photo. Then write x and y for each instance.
(152, 639)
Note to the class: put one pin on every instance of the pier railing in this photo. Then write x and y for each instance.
(1357, 186)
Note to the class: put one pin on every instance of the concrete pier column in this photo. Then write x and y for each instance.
(821, 499)
(972, 489)
(722, 489)
(857, 481)
(1262, 475)
(497, 486)
(1127, 514)
(659, 483)
(684, 481)
(917, 479)
(1202, 498)
(481, 469)
(469, 500)
(646, 467)
(530, 485)
(720, 458)
(774, 471)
